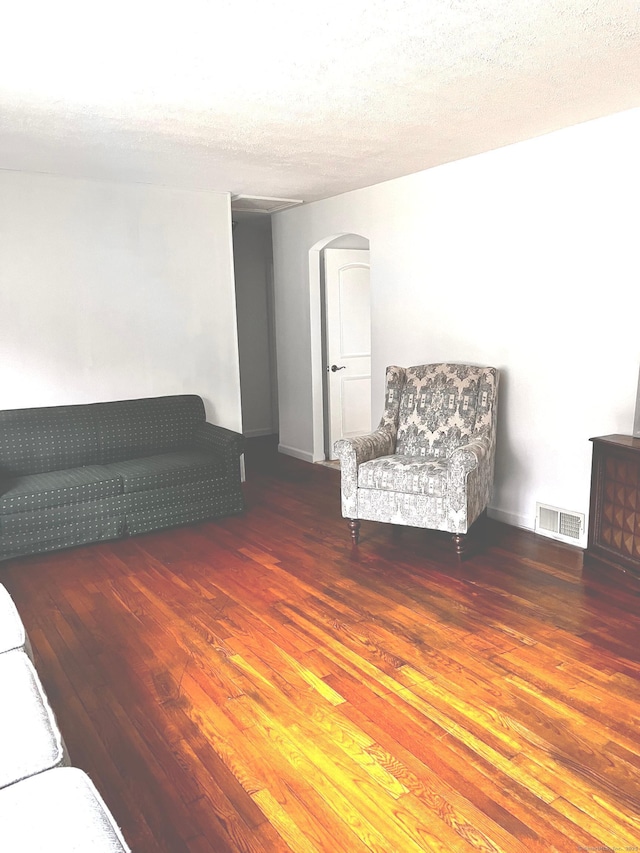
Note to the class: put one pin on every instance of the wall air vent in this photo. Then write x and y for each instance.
(261, 204)
(559, 524)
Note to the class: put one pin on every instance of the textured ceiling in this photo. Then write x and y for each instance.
(289, 99)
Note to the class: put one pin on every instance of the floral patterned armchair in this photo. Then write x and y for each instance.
(430, 462)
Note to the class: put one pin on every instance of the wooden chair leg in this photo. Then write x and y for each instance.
(354, 527)
(460, 543)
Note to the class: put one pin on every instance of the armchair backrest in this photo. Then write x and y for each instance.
(439, 407)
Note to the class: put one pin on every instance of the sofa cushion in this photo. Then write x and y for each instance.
(166, 469)
(58, 812)
(58, 488)
(30, 741)
(405, 474)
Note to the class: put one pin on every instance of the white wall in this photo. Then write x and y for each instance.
(525, 258)
(114, 291)
(253, 261)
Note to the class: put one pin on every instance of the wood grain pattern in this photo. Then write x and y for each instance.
(254, 684)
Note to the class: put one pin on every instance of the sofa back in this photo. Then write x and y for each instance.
(33, 441)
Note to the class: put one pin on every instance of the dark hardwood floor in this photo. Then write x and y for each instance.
(254, 684)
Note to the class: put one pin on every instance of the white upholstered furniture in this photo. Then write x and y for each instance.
(12, 632)
(44, 805)
(30, 740)
(430, 462)
(59, 811)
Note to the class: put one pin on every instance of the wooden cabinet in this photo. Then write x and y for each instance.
(614, 513)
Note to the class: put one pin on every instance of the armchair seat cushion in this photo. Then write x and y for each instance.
(406, 474)
(178, 468)
(58, 488)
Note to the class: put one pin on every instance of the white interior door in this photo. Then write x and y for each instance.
(348, 337)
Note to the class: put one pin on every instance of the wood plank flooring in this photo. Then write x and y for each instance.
(254, 684)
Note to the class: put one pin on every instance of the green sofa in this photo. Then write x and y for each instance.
(70, 475)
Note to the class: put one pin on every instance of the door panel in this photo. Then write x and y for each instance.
(356, 405)
(348, 343)
(355, 313)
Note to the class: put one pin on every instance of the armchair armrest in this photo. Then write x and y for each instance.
(470, 482)
(352, 452)
(471, 455)
(362, 448)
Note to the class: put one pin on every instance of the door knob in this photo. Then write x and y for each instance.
(335, 367)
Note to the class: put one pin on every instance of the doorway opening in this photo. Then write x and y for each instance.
(253, 266)
(340, 340)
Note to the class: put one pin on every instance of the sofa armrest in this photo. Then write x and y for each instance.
(223, 441)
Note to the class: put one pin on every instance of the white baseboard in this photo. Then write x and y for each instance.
(258, 433)
(511, 518)
(297, 454)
